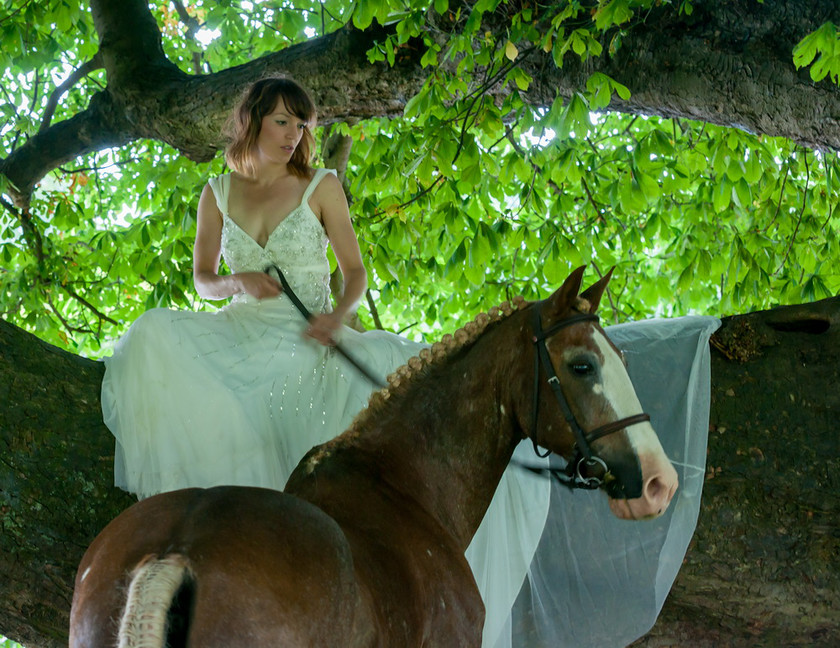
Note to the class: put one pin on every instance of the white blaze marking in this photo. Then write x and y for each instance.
(84, 575)
(619, 392)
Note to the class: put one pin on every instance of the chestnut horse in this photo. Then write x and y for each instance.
(366, 545)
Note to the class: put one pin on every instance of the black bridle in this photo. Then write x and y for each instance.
(585, 470)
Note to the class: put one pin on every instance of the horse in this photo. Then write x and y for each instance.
(365, 546)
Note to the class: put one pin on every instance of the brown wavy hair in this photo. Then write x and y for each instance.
(244, 124)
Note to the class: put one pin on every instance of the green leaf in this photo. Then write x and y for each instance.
(721, 195)
(615, 12)
(364, 13)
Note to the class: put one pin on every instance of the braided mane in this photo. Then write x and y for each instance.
(440, 352)
(419, 365)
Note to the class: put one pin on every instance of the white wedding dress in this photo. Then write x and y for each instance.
(238, 396)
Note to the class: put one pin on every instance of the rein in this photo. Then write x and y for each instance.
(367, 373)
(585, 470)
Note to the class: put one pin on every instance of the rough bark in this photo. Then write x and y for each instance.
(56, 482)
(762, 569)
(728, 63)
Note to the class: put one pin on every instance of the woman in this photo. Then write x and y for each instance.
(238, 396)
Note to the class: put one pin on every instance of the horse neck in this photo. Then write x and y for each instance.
(447, 440)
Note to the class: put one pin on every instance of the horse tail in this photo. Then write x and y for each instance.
(154, 584)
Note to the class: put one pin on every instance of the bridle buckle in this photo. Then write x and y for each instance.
(583, 466)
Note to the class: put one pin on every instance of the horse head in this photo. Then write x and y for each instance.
(586, 410)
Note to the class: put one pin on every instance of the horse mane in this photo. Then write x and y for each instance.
(438, 354)
(400, 381)
(404, 376)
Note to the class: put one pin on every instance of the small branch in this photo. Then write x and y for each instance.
(118, 163)
(374, 312)
(192, 26)
(831, 205)
(799, 220)
(16, 11)
(413, 199)
(93, 64)
(68, 327)
(102, 316)
(781, 196)
(510, 138)
(608, 291)
(535, 170)
(630, 125)
(592, 202)
(691, 143)
(31, 235)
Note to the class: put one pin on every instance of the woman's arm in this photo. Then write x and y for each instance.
(207, 253)
(330, 204)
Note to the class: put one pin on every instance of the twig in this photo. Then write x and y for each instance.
(70, 328)
(31, 235)
(97, 167)
(374, 312)
(691, 143)
(781, 196)
(415, 198)
(799, 220)
(83, 70)
(102, 316)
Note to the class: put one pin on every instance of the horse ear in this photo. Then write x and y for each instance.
(594, 293)
(564, 297)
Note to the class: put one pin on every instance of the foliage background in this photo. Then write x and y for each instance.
(460, 203)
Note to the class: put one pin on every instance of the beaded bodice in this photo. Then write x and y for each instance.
(298, 246)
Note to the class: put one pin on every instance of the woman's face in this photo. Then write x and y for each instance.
(280, 133)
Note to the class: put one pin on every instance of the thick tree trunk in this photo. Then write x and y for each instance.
(728, 63)
(762, 569)
(764, 566)
(56, 482)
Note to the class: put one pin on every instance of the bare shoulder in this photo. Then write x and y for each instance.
(329, 184)
(207, 201)
(328, 198)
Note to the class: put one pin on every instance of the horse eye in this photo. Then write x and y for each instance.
(582, 368)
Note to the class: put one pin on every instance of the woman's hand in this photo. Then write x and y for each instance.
(258, 284)
(323, 327)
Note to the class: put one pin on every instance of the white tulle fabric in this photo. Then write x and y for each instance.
(238, 396)
(595, 581)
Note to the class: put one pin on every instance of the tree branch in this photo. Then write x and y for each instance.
(94, 64)
(801, 214)
(102, 316)
(715, 65)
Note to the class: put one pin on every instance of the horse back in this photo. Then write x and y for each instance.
(261, 568)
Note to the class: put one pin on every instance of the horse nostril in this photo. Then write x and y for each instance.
(656, 491)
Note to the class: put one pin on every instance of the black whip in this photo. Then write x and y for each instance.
(308, 316)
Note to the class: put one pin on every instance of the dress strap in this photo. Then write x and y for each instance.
(320, 174)
(221, 190)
